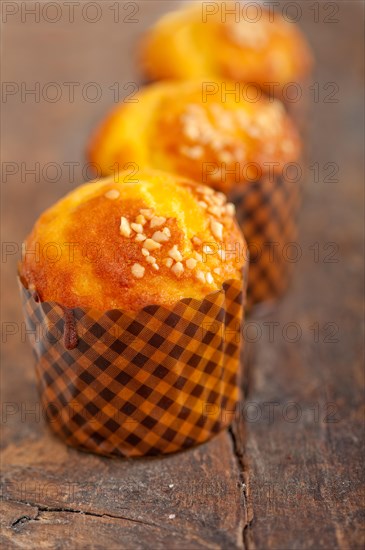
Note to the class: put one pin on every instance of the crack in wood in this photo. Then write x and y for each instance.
(248, 543)
(23, 519)
(26, 519)
(40, 508)
(243, 484)
(237, 434)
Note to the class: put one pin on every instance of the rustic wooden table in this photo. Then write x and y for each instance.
(289, 474)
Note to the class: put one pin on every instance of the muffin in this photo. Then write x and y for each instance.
(185, 127)
(133, 244)
(226, 40)
(247, 150)
(140, 307)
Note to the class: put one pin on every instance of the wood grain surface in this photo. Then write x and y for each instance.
(289, 475)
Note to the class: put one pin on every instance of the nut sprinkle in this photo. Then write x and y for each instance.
(151, 231)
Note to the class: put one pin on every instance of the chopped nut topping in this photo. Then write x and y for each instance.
(209, 278)
(141, 219)
(160, 237)
(191, 263)
(112, 194)
(204, 190)
(169, 262)
(253, 131)
(151, 260)
(217, 229)
(125, 228)
(197, 241)
(178, 269)
(243, 119)
(167, 231)
(200, 276)
(156, 221)
(207, 249)
(226, 157)
(217, 270)
(217, 144)
(247, 35)
(138, 270)
(203, 204)
(175, 254)
(140, 237)
(156, 267)
(147, 213)
(195, 152)
(198, 256)
(230, 209)
(215, 210)
(151, 244)
(145, 252)
(219, 199)
(137, 227)
(190, 130)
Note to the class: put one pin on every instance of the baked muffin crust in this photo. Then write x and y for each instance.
(129, 244)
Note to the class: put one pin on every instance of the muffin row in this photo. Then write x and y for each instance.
(143, 335)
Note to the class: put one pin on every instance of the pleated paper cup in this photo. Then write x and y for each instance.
(267, 211)
(144, 383)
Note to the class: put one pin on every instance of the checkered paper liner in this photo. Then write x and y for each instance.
(156, 381)
(267, 211)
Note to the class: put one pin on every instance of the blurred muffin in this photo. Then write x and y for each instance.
(226, 40)
(154, 240)
(185, 127)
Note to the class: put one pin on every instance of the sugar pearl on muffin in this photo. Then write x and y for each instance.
(138, 270)
(125, 227)
(112, 194)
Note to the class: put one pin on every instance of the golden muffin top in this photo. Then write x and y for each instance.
(205, 131)
(125, 243)
(220, 40)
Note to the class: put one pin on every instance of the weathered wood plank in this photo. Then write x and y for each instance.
(77, 500)
(194, 497)
(306, 474)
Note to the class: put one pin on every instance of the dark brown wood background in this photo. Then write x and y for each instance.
(275, 481)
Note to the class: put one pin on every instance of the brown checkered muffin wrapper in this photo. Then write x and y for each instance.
(267, 212)
(156, 381)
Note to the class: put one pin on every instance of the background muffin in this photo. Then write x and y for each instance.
(150, 239)
(209, 41)
(187, 128)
